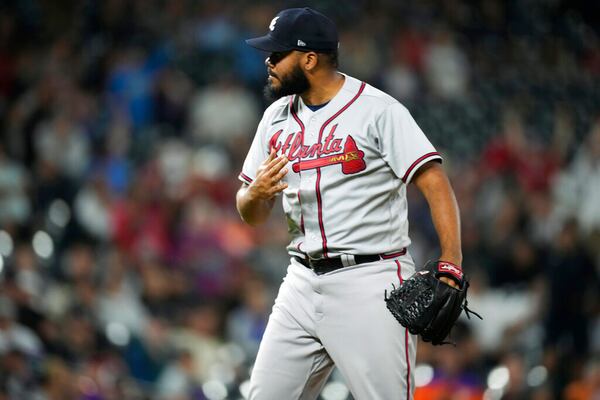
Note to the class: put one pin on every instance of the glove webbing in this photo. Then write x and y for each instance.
(414, 308)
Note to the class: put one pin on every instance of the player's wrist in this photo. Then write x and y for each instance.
(449, 270)
(453, 258)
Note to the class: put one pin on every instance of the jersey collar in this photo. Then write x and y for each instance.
(347, 91)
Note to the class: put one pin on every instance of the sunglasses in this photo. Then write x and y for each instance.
(276, 56)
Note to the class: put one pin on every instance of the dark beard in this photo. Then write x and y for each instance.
(295, 83)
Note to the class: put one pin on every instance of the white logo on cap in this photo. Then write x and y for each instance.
(301, 43)
(273, 22)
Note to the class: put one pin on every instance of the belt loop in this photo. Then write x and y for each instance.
(347, 260)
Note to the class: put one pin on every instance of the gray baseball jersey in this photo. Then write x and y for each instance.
(349, 164)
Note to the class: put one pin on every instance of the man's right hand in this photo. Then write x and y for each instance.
(255, 201)
(268, 177)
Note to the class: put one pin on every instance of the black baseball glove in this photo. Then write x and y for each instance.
(427, 306)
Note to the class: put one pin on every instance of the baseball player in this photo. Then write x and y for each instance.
(341, 154)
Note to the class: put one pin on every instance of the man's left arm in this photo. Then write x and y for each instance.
(432, 181)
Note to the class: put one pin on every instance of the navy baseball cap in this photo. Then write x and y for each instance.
(301, 29)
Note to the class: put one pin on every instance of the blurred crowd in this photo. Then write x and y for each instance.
(125, 271)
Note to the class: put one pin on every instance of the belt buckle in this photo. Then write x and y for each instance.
(307, 262)
(317, 265)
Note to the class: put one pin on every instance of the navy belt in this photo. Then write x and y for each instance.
(324, 265)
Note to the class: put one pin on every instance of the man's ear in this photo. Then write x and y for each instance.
(311, 60)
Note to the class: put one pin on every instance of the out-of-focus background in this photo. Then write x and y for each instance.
(125, 271)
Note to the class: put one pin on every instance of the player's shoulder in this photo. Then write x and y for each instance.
(379, 96)
(371, 94)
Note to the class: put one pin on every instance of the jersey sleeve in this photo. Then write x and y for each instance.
(403, 144)
(256, 155)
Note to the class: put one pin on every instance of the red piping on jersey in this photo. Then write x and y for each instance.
(301, 216)
(299, 121)
(413, 165)
(246, 177)
(407, 364)
(318, 182)
(399, 271)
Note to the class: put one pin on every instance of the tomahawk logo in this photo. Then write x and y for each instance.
(351, 160)
(450, 268)
(272, 24)
(332, 151)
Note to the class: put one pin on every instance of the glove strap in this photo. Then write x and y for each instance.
(452, 270)
(468, 311)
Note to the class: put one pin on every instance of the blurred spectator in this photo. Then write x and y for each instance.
(119, 300)
(446, 67)
(588, 386)
(15, 207)
(572, 292)
(578, 190)
(211, 247)
(17, 377)
(456, 370)
(221, 112)
(158, 287)
(563, 136)
(401, 75)
(516, 155)
(62, 143)
(92, 207)
(139, 223)
(177, 381)
(59, 380)
(545, 223)
(115, 165)
(246, 324)
(130, 83)
(80, 263)
(358, 47)
(516, 265)
(27, 284)
(516, 389)
(50, 186)
(148, 352)
(173, 94)
(200, 337)
(174, 159)
(15, 337)
(513, 312)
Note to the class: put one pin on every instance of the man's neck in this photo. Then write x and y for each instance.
(323, 88)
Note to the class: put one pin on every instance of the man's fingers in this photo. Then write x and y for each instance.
(276, 161)
(449, 281)
(270, 159)
(277, 177)
(278, 164)
(279, 188)
(270, 174)
(273, 166)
